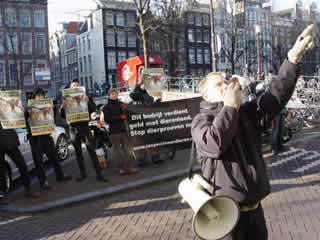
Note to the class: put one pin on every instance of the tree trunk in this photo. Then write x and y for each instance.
(145, 41)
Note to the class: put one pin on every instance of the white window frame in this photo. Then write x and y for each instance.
(15, 38)
(192, 60)
(120, 19)
(111, 55)
(206, 54)
(121, 39)
(25, 14)
(122, 56)
(12, 81)
(109, 18)
(30, 74)
(191, 37)
(11, 17)
(110, 37)
(3, 82)
(132, 39)
(199, 56)
(38, 50)
(26, 43)
(131, 19)
(39, 21)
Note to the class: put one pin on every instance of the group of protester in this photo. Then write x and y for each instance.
(78, 133)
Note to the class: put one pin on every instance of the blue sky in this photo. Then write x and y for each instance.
(67, 10)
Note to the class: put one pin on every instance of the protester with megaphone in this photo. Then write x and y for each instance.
(227, 135)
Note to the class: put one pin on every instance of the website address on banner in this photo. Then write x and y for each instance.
(162, 143)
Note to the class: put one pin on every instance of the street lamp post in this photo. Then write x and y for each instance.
(213, 41)
(258, 32)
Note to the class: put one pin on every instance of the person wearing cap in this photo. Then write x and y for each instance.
(44, 144)
(79, 131)
(228, 139)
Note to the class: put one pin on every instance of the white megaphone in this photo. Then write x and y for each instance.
(214, 217)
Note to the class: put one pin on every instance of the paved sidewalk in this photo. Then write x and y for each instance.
(72, 192)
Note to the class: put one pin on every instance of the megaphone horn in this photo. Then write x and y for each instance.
(214, 217)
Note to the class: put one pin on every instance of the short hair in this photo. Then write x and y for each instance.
(111, 90)
(75, 80)
(203, 85)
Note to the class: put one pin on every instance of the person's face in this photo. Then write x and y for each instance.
(74, 85)
(39, 96)
(113, 96)
(142, 86)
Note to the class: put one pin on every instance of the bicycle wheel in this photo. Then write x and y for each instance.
(294, 120)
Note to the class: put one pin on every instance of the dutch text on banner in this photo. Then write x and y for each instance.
(161, 125)
(75, 104)
(41, 119)
(11, 110)
(154, 81)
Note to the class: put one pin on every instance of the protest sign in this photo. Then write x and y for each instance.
(41, 119)
(75, 104)
(161, 125)
(153, 81)
(11, 110)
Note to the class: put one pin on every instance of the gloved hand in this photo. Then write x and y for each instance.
(123, 117)
(232, 96)
(304, 43)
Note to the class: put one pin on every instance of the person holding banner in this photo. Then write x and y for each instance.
(80, 131)
(228, 138)
(43, 144)
(9, 144)
(112, 113)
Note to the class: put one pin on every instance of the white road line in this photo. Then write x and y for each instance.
(299, 153)
(315, 156)
(14, 220)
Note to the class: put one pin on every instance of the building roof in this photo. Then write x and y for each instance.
(73, 27)
(116, 4)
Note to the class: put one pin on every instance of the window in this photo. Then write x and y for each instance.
(13, 74)
(39, 19)
(80, 62)
(110, 37)
(2, 43)
(132, 54)
(190, 18)
(25, 18)
(199, 35)
(132, 39)
(206, 37)
(40, 43)
(121, 39)
(84, 44)
(120, 19)
(11, 17)
(91, 82)
(112, 59)
(27, 73)
(89, 42)
(192, 57)
(79, 45)
(205, 19)
(122, 55)
(0, 18)
(86, 82)
(85, 63)
(199, 56)
(89, 63)
(207, 56)
(190, 35)
(12, 42)
(198, 20)
(27, 43)
(2, 75)
(131, 19)
(109, 19)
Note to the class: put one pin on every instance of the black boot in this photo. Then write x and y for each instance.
(29, 194)
(81, 177)
(45, 187)
(65, 178)
(101, 178)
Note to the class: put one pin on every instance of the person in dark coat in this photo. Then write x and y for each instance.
(9, 144)
(44, 144)
(113, 114)
(140, 95)
(228, 139)
(80, 131)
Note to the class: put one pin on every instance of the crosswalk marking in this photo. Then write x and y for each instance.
(300, 153)
(315, 156)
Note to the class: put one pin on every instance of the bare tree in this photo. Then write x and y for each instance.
(144, 14)
(231, 32)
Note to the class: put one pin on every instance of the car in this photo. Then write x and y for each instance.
(61, 145)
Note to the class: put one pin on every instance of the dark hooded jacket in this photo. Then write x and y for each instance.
(229, 143)
(140, 96)
(112, 112)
